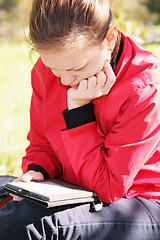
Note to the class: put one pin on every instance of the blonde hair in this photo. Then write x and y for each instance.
(60, 23)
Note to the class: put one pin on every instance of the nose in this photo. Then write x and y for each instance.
(67, 78)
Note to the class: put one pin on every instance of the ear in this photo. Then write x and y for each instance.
(111, 37)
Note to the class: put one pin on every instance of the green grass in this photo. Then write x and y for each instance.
(15, 93)
(155, 48)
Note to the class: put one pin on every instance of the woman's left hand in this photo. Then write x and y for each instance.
(27, 177)
(91, 88)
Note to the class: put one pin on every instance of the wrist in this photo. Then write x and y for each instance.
(38, 168)
(77, 104)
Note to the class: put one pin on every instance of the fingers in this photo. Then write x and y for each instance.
(109, 71)
(91, 88)
(92, 82)
(15, 198)
(83, 85)
(32, 175)
(27, 177)
(111, 78)
(101, 79)
(24, 178)
(97, 85)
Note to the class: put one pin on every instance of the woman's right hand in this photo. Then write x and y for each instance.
(91, 88)
(27, 177)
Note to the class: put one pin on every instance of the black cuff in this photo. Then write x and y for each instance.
(38, 168)
(79, 116)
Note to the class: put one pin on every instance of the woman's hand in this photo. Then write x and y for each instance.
(27, 177)
(91, 88)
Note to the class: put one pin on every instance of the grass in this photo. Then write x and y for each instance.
(15, 92)
(155, 48)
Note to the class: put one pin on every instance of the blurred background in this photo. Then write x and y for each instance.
(140, 19)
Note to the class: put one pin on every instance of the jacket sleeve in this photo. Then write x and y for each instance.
(109, 163)
(39, 151)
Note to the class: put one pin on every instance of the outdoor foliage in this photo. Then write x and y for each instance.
(135, 17)
(153, 5)
(15, 94)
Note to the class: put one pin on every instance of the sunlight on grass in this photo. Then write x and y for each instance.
(15, 92)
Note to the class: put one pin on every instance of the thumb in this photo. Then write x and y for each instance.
(26, 177)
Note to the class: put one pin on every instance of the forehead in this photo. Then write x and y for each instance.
(68, 58)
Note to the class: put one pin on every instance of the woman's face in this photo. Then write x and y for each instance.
(76, 63)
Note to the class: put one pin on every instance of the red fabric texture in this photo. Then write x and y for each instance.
(119, 154)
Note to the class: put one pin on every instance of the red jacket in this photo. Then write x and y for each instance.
(118, 155)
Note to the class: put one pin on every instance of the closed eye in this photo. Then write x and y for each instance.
(70, 69)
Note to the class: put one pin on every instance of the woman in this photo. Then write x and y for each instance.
(94, 122)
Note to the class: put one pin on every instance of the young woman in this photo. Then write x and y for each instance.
(95, 122)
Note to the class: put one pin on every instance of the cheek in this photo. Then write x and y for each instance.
(96, 68)
(108, 57)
